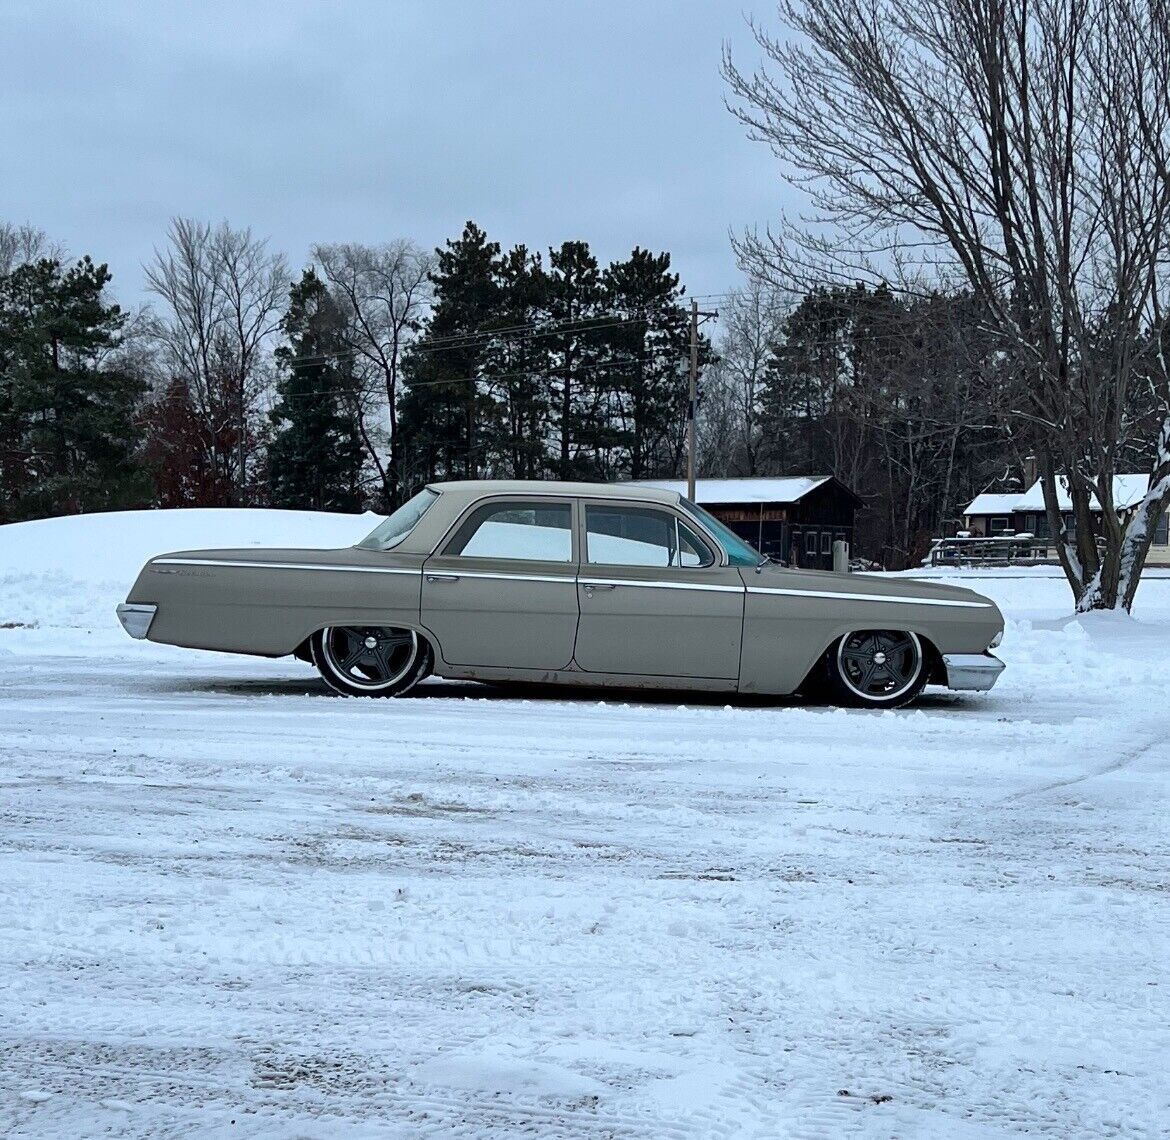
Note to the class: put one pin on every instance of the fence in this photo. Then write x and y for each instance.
(1003, 550)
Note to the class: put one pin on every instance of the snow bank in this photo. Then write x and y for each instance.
(63, 576)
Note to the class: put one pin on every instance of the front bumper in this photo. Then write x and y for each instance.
(136, 619)
(975, 672)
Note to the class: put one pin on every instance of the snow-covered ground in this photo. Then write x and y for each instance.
(231, 904)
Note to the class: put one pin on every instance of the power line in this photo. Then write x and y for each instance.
(539, 373)
(468, 340)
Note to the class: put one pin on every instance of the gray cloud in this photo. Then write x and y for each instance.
(368, 121)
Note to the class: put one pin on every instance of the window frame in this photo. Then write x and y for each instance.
(1007, 527)
(506, 501)
(826, 542)
(811, 545)
(714, 552)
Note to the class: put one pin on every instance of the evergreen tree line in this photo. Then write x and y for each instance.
(377, 369)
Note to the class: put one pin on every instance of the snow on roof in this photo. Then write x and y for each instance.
(992, 504)
(1128, 491)
(785, 489)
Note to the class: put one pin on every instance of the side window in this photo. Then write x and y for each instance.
(1160, 530)
(635, 536)
(539, 532)
(810, 543)
(827, 542)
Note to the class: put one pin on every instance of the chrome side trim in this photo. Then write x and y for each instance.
(835, 596)
(282, 566)
(712, 588)
(508, 576)
(136, 619)
(518, 577)
(975, 672)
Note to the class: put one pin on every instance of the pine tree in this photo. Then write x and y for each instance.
(649, 352)
(576, 309)
(516, 366)
(315, 457)
(67, 404)
(443, 412)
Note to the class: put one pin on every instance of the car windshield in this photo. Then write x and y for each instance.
(739, 553)
(394, 529)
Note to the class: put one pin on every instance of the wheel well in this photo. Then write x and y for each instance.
(936, 673)
(303, 652)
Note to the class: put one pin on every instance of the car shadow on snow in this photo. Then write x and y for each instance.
(436, 689)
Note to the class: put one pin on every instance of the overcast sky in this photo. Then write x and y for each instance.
(313, 121)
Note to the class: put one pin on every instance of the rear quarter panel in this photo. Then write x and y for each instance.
(267, 602)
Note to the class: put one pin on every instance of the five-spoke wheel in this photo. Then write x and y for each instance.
(370, 661)
(877, 668)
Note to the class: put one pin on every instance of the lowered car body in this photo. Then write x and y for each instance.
(568, 583)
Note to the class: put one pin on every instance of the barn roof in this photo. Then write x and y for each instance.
(717, 492)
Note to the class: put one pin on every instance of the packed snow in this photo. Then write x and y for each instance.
(233, 904)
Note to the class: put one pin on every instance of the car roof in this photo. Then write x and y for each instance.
(477, 487)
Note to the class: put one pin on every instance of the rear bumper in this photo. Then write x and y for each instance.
(136, 619)
(972, 671)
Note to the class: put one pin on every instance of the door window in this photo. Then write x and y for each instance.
(532, 531)
(635, 536)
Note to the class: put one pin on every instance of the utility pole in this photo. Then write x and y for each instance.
(692, 394)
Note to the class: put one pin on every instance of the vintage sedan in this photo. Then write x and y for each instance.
(575, 584)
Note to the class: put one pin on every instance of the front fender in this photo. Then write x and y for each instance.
(789, 626)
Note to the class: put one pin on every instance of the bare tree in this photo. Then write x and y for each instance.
(752, 322)
(385, 291)
(223, 290)
(1021, 148)
(24, 243)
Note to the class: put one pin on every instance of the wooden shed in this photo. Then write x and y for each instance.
(794, 518)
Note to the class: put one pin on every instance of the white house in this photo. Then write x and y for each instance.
(1022, 512)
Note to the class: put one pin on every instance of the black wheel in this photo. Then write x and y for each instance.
(877, 668)
(370, 661)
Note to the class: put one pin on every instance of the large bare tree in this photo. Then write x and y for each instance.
(223, 291)
(385, 291)
(1019, 148)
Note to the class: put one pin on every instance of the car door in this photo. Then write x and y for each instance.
(501, 591)
(655, 598)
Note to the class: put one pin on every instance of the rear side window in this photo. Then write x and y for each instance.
(393, 530)
(633, 536)
(532, 531)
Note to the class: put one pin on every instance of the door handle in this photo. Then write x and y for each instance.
(591, 586)
(442, 577)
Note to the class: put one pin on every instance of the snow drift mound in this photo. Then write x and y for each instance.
(67, 574)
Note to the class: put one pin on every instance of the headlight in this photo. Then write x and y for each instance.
(996, 640)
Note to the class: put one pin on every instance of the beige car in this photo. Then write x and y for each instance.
(569, 583)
